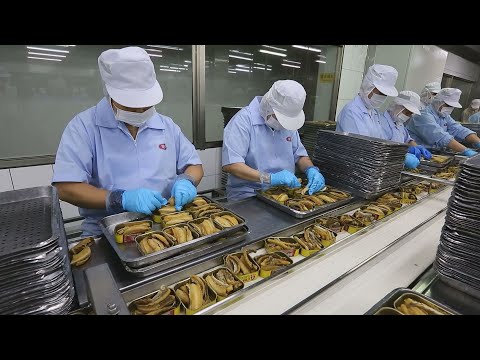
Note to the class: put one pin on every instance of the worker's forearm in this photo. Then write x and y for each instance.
(196, 172)
(412, 143)
(82, 195)
(472, 139)
(303, 163)
(243, 171)
(456, 146)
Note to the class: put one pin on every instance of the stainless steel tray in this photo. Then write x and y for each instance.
(435, 164)
(390, 298)
(183, 258)
(303, 214)
(131, 256)
(362, 194)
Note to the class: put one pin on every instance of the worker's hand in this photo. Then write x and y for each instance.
(427, 155)
(414, 150)
(316, 181)
(411, 161)
(142, 200)
(469, 152)
(476, 145)
(184, 192)
(286, 178)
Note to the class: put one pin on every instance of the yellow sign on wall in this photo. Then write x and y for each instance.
(327, 77)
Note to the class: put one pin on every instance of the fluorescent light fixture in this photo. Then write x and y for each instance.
(243, 66)
(66, 45)
(221, 60)
(240, 57)
(240, 52)
(322, 56)
(155, 55)
(154, 50)
(240, 69)
(39, 58)
(188, 61)
(164, 66)
(293, 62)
(185, 65)
(42, 54)
(261, 68)
(321, 61)
(293, 66)
(232, 72)
(306, 48)
(272, 53)
(166, 47)
(177, 68)
(47, 49)
(274, 48)
(172, 70)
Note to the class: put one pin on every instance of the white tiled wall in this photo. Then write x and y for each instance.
(31, 176)
(212, 168)
(5, 180)
(352, 73)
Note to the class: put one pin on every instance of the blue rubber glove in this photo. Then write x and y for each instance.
(184, 192)
(284, 177)
(415, 151)
(469, 152)
(427, 155)
(476, 145)
(411, 161)
(142, 200)
(316, 181)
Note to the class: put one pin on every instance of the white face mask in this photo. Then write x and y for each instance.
(273, 123)
(134, 118)
(446, 110)
(375, 101)
(401, 117)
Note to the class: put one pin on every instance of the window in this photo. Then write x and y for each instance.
(42, 87)
(235, 74)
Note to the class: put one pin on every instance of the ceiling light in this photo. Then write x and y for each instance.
(47, 49)
(293, 66)
(306, 48)
(42, 54)
(274, 48)
(272, 53)
(293, 62)
(240, 57)
(34, 57)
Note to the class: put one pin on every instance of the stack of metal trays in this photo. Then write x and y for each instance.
(458, 255)
(473, 127)
(141, 265)
(35, 274)
(362, 165)
(308, 132)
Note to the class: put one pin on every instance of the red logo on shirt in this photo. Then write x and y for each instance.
(289, 138)
(163, 146)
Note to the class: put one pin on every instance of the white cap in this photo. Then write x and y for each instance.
(129, 77)
(382, 77)
(433, 87)
(449, 96)
(475, 104)
(410, 100)
(287, 97)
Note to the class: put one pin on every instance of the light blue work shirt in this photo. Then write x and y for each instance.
(97, 149)
(247, 139)
(355, 118)
(394, 131)
(474, 119)
(431, 130)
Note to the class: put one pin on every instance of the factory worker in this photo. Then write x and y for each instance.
(121, 155)
(472, 109)
(361, 116)
(400, 110)
(474, 119)
(435, 128)
(261, 144)
(428, 92)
